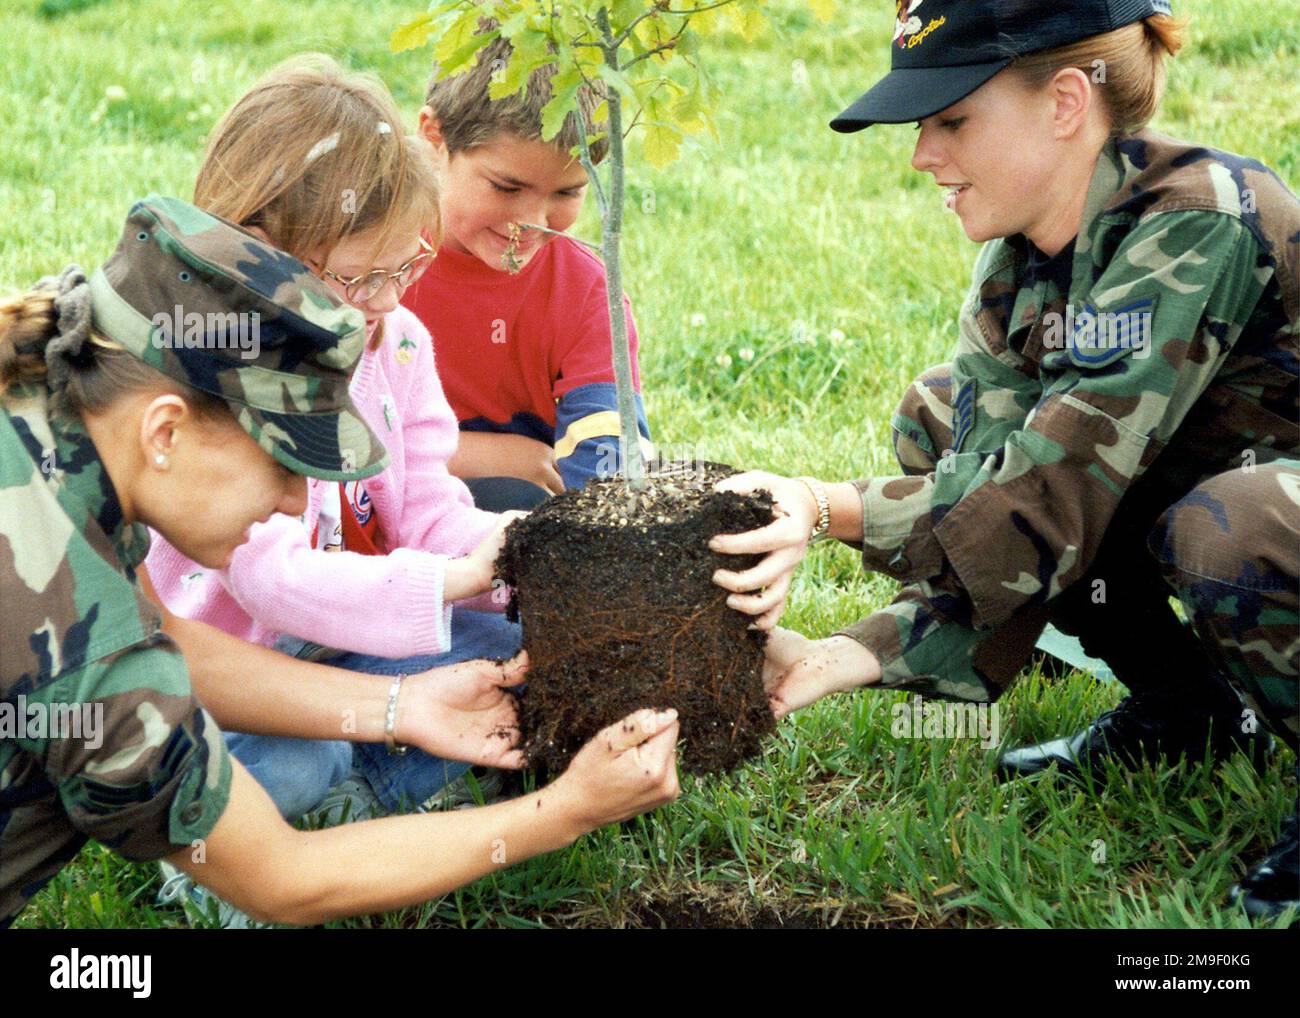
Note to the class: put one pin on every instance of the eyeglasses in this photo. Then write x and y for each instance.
(360, 289)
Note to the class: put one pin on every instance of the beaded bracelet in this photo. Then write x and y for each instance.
(390, 721)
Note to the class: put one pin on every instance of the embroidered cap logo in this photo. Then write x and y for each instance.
(907, 30)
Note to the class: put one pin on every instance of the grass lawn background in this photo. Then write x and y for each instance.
(788, 284)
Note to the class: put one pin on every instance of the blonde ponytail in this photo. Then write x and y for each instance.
(1167, 31)
(1127, 66)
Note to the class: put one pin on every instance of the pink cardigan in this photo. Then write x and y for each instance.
(389, 605)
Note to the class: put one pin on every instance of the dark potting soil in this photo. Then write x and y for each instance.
(620, 612)
(686, 913)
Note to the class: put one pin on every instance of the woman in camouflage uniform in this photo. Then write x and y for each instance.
(112, 421)
(1119, 421)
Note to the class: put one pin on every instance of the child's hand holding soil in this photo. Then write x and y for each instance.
(471, 574)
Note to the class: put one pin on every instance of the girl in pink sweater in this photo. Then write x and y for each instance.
(298, 576)
(368, 575)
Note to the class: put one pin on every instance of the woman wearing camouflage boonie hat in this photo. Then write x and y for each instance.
(1118, 423)
(189, 385)
(413, 542)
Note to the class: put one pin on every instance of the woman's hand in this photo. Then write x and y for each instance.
(463, 712)
(761, 591)
(262, 865)
(798, 671)
(626, 769)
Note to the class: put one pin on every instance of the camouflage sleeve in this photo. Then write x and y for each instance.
(150, 772)
(993, 393)
(988, 535)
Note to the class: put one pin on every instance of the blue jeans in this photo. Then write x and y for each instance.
(296, 773)
(294, 770)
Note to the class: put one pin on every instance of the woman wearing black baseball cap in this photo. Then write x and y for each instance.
(1119, 422)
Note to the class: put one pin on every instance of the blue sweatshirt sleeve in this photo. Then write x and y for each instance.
(587, 431)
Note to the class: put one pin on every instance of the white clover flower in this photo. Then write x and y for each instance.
(723, 360)
(837, 336)
(114, 93)
(745, 354)
(697, 320)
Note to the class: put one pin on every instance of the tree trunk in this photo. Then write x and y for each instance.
(611, 236)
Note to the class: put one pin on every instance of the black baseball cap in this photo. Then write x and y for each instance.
(945, 49)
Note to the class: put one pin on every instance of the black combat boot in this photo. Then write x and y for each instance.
(1146, 726)
(1178, 704)
(1273, 885)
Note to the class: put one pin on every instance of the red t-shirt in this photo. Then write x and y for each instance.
(527, 353)
(348, 521)
(360, 523)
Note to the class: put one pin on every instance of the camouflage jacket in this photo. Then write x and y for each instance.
(100, 734)
(1173, 347)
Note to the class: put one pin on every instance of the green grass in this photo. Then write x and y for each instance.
(772, 241)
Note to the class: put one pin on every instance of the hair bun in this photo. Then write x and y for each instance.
(72, 326)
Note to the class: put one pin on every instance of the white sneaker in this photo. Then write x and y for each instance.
(460, 794)
(197, 901)
(351, 799)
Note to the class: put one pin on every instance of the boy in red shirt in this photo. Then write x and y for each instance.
(524, 358)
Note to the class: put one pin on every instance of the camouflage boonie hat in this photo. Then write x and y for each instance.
(210, 305)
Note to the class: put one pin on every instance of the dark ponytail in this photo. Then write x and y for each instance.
(27, 324)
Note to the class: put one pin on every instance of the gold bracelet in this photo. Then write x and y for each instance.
(823, 525)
